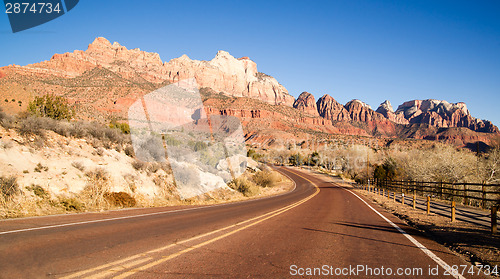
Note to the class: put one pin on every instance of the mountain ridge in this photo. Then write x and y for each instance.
(105, 79)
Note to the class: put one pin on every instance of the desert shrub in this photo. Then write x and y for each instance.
(123, 127)
(129, 151)
(296, 159)
(55, 107)
(490, 166)
(38, 191)
(153, 167)
(8, 187)
(39, 168)
(31, 126)
(139, 165)
(99, 151)
(78, 165)
(5, 120)
(71, 204)
(120, 199)
(244, 186)
(266, 178)
(97, 185)
(441, 163)
(388, 170)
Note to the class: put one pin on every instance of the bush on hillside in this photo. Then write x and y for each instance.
(51, 106)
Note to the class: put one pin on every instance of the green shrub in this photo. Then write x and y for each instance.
(38, 191)
(55, 107)
(124, 127)
(71, 204)
(39, 168)
(120, 199)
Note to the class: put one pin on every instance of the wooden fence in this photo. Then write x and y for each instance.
(486, 196)
(471, 194)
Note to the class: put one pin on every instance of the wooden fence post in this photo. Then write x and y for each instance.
(428, 205)
(414, 200)
(394, 195)
(440, 189)
(453, 211)
(483, 202)
(466, 197)
(494, 210)
(402, 197)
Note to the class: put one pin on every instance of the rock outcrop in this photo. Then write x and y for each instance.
(359, 111)
(388, 112)
(306, 103)
(330, 109)
(224, 73)
(443, 114)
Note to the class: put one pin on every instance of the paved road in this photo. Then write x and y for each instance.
(318, 225)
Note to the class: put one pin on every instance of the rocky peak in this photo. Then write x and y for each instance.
(306, 103)
(388, 112)
(385, 107)
(330, 109)
(443, 114)
(360, 111)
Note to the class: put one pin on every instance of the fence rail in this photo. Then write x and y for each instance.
(471, 194)
(486, 196)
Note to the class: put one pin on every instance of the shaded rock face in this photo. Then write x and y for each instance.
(306, 103)
(224, 73)
(443, 114)
(332, 110)
(388, 112)
(359, 111)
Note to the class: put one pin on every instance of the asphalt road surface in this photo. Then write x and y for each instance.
(319, 229)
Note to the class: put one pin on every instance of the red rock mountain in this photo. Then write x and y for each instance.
(332, 110)
(104, 80)
(306, 103)
(224, 73)
(443, 114)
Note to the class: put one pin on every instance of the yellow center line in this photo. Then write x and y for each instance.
(277, 212)
(112, 267)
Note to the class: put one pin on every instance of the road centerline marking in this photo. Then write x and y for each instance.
(114, 267)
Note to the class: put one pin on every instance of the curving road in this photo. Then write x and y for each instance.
(319, 228)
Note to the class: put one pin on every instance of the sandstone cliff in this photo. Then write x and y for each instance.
(443, 114)
(306, 103)
(330, 109)
(224, 73)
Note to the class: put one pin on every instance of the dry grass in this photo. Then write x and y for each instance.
(98, 185)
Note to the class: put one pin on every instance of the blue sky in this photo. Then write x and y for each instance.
(369, 50)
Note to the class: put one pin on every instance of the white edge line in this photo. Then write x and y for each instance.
(424, 249)
(146, 214)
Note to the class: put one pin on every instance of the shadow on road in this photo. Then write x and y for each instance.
(371, 239)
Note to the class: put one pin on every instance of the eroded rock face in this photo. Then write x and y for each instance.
(306, 103)
(224, 73)
(359, 111)
(332, 110)
(443, 114)
(388, 112)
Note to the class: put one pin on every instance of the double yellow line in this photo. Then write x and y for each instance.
(123, 265)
